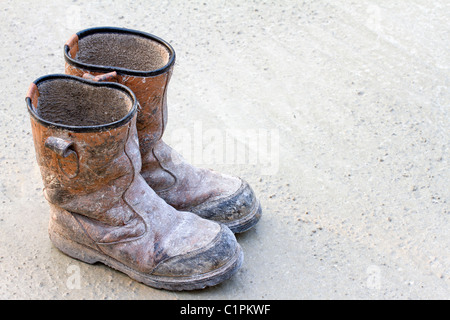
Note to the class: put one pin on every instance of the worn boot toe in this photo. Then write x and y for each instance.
(211, 264)
(239, 211)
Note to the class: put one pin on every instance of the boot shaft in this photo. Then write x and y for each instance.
(142, 62)
(85, 138)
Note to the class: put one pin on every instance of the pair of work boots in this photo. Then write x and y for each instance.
(118, 194)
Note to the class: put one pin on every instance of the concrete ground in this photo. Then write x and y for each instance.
(336, 112)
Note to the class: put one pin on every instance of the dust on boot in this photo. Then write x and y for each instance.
(144, 63)
(102, 210)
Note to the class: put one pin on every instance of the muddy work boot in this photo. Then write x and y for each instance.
(144, 63)
(102, 210)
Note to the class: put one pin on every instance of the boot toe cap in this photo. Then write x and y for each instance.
(219, 260)
(239, 211)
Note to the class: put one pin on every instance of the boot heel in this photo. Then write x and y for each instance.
(73, 249)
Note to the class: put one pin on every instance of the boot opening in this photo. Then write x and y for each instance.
(74, 103)
(120, 50)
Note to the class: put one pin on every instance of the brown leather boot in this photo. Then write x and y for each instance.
(102, 210)
(144, 63)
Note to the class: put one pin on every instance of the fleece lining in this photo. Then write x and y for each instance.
(73, 103)
(120, 50)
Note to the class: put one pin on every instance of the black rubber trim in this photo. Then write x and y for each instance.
(106, 69)
(98, 128)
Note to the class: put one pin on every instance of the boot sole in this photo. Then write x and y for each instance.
(247, 222)
(201, 281)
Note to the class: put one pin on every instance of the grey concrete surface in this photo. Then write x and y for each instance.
(336, 112)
